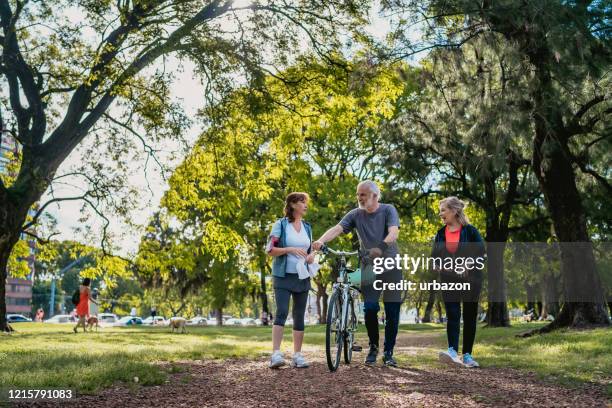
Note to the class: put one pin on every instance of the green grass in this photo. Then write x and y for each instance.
(52, 356)
(568, 357)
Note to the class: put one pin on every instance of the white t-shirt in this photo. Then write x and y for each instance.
(298, 240)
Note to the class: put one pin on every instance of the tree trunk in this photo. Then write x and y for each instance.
(532, 303)
(497, 222)
(429, 306)
(5, 251)
(264, 294)
(322, 299)
(585, 301)
(11, 219)
(497, 309)
(550, 295)
(219, 313)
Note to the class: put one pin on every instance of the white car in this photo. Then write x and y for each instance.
(233, 322)
(17, 318)
(60, 319)
(129, 321)
(157, 321)
(212, 322)
(248, 321)
(197, 321)
(107, 318)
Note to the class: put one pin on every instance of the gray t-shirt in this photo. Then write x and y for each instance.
(372, 227)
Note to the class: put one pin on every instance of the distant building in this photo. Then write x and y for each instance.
(18, 291)
(7, 147)
(19, 296)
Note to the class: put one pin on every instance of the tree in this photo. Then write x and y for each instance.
(313, 130)
(460, 139)
(64, 88)
(565, 47)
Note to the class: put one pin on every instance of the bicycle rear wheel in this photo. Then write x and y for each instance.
(349, 337)
(333, 332)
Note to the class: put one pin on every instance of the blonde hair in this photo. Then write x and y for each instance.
(453, 203)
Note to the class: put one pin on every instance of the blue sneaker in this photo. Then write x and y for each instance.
(450, 357)
(469, 362)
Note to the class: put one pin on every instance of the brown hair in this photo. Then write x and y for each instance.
(453, 203)
(294, 198)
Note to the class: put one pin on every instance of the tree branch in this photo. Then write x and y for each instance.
(63, 141)
(17, 68)
(42, 241)
(534, 222)
(53, 200)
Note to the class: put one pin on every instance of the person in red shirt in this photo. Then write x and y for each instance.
(82, 309)
(458, 239)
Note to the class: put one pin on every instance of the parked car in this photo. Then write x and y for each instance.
(197, 321)
(17, 318)
(157, 321)
(212, 321)
(61, 319)
(248, 321)
(233, 322)
(129, 321)
(107, 318)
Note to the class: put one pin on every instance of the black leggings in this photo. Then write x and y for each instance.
(282, 307)
(452, 303)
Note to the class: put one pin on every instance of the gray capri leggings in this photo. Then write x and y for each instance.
(282, 307)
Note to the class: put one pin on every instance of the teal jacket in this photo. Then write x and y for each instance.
(278, 238)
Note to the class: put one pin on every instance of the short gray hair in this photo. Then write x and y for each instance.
(372, 186)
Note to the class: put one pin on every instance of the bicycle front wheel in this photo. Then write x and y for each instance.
(334, 338)
(349, 337)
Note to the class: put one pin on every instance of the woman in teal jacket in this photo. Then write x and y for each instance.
(290, 245)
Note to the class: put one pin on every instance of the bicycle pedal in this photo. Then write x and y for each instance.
(357, 348)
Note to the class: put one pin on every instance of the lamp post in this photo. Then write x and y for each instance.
(58, 275)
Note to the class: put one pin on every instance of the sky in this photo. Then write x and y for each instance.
(189, 90)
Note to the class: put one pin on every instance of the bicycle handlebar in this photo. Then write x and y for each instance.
(327, 250)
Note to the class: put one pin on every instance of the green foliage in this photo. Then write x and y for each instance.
(313, 130)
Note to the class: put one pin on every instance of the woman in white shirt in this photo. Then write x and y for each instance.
(290, 245)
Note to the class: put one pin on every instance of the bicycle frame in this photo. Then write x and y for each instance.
(346, 293)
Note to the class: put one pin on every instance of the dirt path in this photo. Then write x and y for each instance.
(245, 383)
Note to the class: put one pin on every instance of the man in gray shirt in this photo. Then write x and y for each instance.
(377, 227)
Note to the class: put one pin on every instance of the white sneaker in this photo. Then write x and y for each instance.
(299, 361)
(450, 357)
(277, 359)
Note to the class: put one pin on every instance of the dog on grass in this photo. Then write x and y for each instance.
(9, 329)
(178, 323)
(91, 322)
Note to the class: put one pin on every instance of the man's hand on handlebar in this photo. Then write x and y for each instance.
(317, 245)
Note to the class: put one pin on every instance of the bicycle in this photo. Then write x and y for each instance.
(341, 317)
